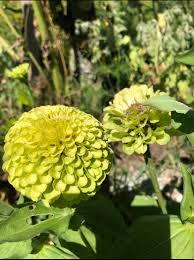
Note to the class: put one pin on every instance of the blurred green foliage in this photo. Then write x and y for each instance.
(137, 42)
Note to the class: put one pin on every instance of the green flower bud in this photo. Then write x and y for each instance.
(58, 154)
(136, 125)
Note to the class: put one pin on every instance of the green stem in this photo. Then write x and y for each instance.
(41, 13)
(9, 23)
(58, 44)
(155, 8)
(40, 70)
(7, 47)
(152, 175)
(38, 11)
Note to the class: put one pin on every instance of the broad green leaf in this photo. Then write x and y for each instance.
(15, 249)
(167, 103)
(95, 226)
(17, 227)
(52, 252)
(158, 237)
(186, 58)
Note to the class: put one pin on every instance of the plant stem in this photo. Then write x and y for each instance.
(40, 70)
(152, 175)
(9, 23)
(7, 47)
(38, 11)
(58, 43)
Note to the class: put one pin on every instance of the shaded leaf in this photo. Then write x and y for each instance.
(184, 124)
(96, 225)
(158, 237)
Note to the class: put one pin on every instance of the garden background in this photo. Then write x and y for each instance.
(81, 53)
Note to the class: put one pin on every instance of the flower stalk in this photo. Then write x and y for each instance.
(152, 175)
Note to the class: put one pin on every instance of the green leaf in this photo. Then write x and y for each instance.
(98, 208)
(167, 103)
(24, 95)
(52, 252)
(82, 242)
(187, 204)
(182, 116)
(140, 201)
(186, 58)
(5, 210)
(191, 138)
(143, 205)
(158, 237)
(184, 124)
(17, 227)
(15, 249)
(95, 226)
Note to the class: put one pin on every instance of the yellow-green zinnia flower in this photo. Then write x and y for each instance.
(136, 125)
(58, 154)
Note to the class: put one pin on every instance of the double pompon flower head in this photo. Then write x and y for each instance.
(135, 124)
(58, 154)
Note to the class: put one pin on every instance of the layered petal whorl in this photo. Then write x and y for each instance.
(56, 153)
(136, 125)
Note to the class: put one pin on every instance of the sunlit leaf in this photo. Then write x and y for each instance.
(186, 58)
(17, 226)
(167, 103)
(15, 249)
(52, 252)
